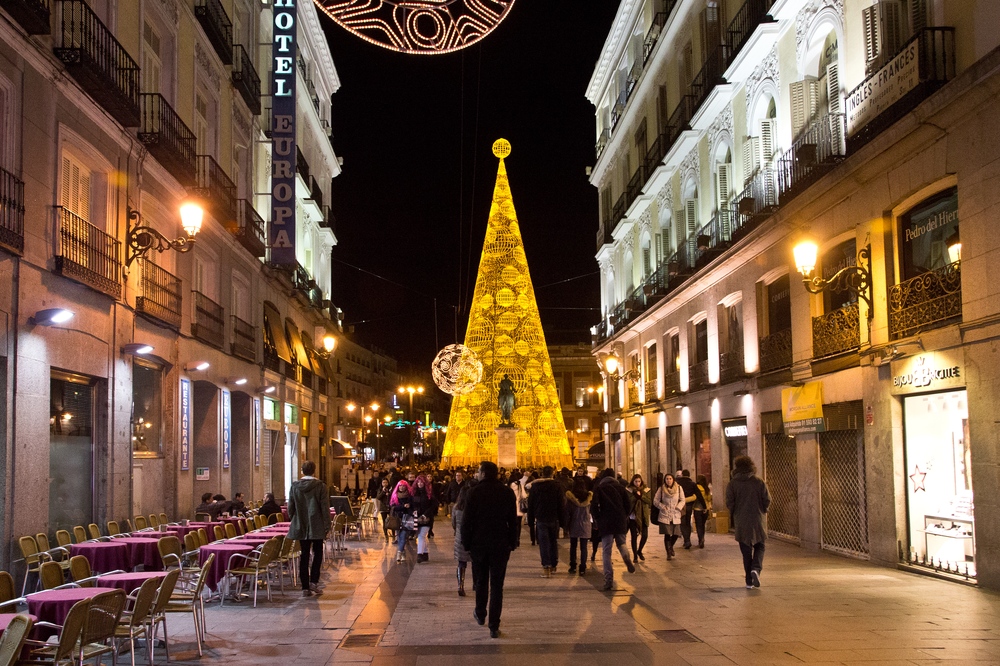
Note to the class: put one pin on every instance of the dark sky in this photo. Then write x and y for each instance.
(412, 203)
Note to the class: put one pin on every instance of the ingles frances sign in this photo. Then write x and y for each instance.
(281, 235)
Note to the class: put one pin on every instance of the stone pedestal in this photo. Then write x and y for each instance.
(506, 446)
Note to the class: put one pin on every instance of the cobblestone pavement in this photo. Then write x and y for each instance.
(811, 608)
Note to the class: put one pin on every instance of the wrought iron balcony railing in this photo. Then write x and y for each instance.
(748, 17)
(159, 294)
(650, 389)
(711, 75)
(209, 321)
(776, 351)
(98, 62)
(671, 384)
(244, 340)
(756, 202)
(33, 15)
(88, 255)
(602, 141)
(315, 191)
(167, 138)
(245, 79)
(927, 301)
(635, 183)
(248, 228)
(217, 26)
(820, 147)
(655, 29)
(301, 164)
(271, 360)
(11, 212)
(714, 237)
(215, 187)
(698, 376)
(731, 367)
(837, 332)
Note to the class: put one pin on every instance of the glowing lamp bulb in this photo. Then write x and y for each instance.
(805, 257)
(191, 217)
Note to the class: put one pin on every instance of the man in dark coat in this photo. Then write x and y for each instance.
(455, 487)
(691, 498)
(747, 500)
(309, 513)
(489, 533)
(546, 504)
(269, 506)
(610, 510)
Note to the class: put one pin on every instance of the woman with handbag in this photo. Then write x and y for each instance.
(424, 509)
(462, 556)
(578, 522)
(669, 500)
(638, 516)
(402, 510)
(383, 496)
(517, 481)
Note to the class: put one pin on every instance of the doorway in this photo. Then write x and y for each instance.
(71, 451)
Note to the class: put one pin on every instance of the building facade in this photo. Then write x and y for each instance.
(111, 115)
(730, 133)
(580, 390)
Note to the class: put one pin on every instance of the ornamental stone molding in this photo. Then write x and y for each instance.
(170, 10)
(645, 222)
(204, 61)
(804, 21)
(691, 164)
(242, 123)
(665, 197)
(767, 69)
(722, 123)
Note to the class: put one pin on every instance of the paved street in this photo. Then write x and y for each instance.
(812, 608)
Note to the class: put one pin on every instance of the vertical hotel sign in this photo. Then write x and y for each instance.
(281, 236)
(227, 428)
(185, 424)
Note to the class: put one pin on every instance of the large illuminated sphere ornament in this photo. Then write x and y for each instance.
(456, 370)
(418, 26)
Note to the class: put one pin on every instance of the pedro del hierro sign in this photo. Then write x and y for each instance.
(281, 235)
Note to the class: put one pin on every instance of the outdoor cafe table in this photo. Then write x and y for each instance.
(143, 550)
(53, 605)
(103, 556)
(5, 619)
(253, 539)
(223, 551)
(128, 581)
(183, 530)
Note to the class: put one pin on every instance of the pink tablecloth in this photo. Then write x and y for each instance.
(103, 555)
(128, 581)
(182, 531)
(144, 551)
(53, 605)
(5, 619)
(223, 551)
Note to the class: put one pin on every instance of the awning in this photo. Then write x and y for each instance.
(272, 320)
(300, 351)
(341, 449)
(317, 369)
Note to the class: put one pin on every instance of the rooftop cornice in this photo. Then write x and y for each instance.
(614, 46)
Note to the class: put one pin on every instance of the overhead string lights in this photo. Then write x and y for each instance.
(418, 26)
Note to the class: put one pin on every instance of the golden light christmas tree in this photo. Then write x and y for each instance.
(505, 332)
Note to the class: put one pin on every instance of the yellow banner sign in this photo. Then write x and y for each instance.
(802, 408)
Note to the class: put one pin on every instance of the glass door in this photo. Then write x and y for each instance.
(71, 452)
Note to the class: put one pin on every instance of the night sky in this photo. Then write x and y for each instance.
(415, 133)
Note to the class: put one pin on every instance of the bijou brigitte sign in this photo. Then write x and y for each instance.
(931, 371)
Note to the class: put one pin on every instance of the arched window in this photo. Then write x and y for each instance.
(647, 255)
(667, 244)
(760, 148)
(817, 100)
(689, 219)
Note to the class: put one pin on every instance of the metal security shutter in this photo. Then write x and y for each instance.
(782, 477)
(843, 492)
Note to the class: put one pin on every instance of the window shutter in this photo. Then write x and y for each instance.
(691, 215)
(65, 191)
(768, 126)
(680, 228)
(723, 178)
(647, 267)
(833, 88)
(751, 157)
(870, 17)
(658, 248)
(711, 32)
(662, 113)
(891, 24)
(804, 98)
(75, 188)
(918, 15)
(666, 250)
(83, 195)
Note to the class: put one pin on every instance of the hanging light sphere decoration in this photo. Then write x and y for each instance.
(418, 26)
(456, 370)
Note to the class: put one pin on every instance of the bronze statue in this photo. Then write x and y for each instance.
(505, 400)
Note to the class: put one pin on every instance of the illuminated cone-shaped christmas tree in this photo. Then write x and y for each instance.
(505, 332)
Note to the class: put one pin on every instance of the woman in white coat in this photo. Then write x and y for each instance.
(517, 481)
(669, 499)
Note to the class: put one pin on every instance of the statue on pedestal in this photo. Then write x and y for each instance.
(506, 401)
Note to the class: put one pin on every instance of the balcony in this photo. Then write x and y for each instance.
(817, 150)
(167, 138)
(217, 26)
(698, 376)
(244, 340)
(602, 141)
(619, 108)
(655, 29)
(927, 301)
(98, 62)
(209, 321)
(329, 220)
(650, 390)
(87, 254)
(711, 75)
(874, 105)
(301, 164)
(215, 187)
(159, 294)
(837, 332)
(11, 212)
(245, 79)
(271, 360)
(731, 366)
(776, 351)
(315, 192)
(713, 238)
(249, 229)
(671, 384)
(749, 16)
(757, 201)
(33, 15)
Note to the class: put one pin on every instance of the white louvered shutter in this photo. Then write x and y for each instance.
(691, 216)
(647, 262)
(666, 248)
(869, 15)
(723, 179)
(151, 64)
(680, 228)
(75, 194)
(892, 21)
(804, 96)
(833, 98)
(768, 128)
(658, 248)
(751, 157)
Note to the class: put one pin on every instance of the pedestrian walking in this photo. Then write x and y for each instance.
(578, 522)
(640, 503)
(532, 477)
(545, 509)
(610, 511)
(702, 509)
(401, 504)
(462, 555)
(669, 499)
(309, 513)
(517, 481)
(747, 499)
(692, 498)
(425, 508)
(488, 524)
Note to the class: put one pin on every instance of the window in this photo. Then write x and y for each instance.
(731, 327)
(640, 140)
(8, 124)
(240, 306)
(147, 409)
(776, 302)
(651, 364)
(928, 233)
(712, 20)
(152, 62)
(75, 189)
(724, 181)
(701, 341)
(583, 425)
(205, 113)
(835, 259)
(816, 96)
(580, 397)
(673, 360)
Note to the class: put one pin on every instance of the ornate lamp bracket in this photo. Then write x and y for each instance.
(140, 239)
(856, 279)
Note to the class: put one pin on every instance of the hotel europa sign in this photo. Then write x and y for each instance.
(931, 371)
(898, 77)
(281, 234)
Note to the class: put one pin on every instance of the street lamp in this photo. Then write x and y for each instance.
(364, 419)
(856, 279)
(409, 430)
(612, 365)
(140, 239)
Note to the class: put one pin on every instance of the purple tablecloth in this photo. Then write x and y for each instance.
(182, 531)
(223, 551)
(53, 605)
(128, 581)
(5, 619)
(103, 555)
(144, 551)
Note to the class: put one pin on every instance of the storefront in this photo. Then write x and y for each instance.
(734, 431)
(701, 438)
(939, 498)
